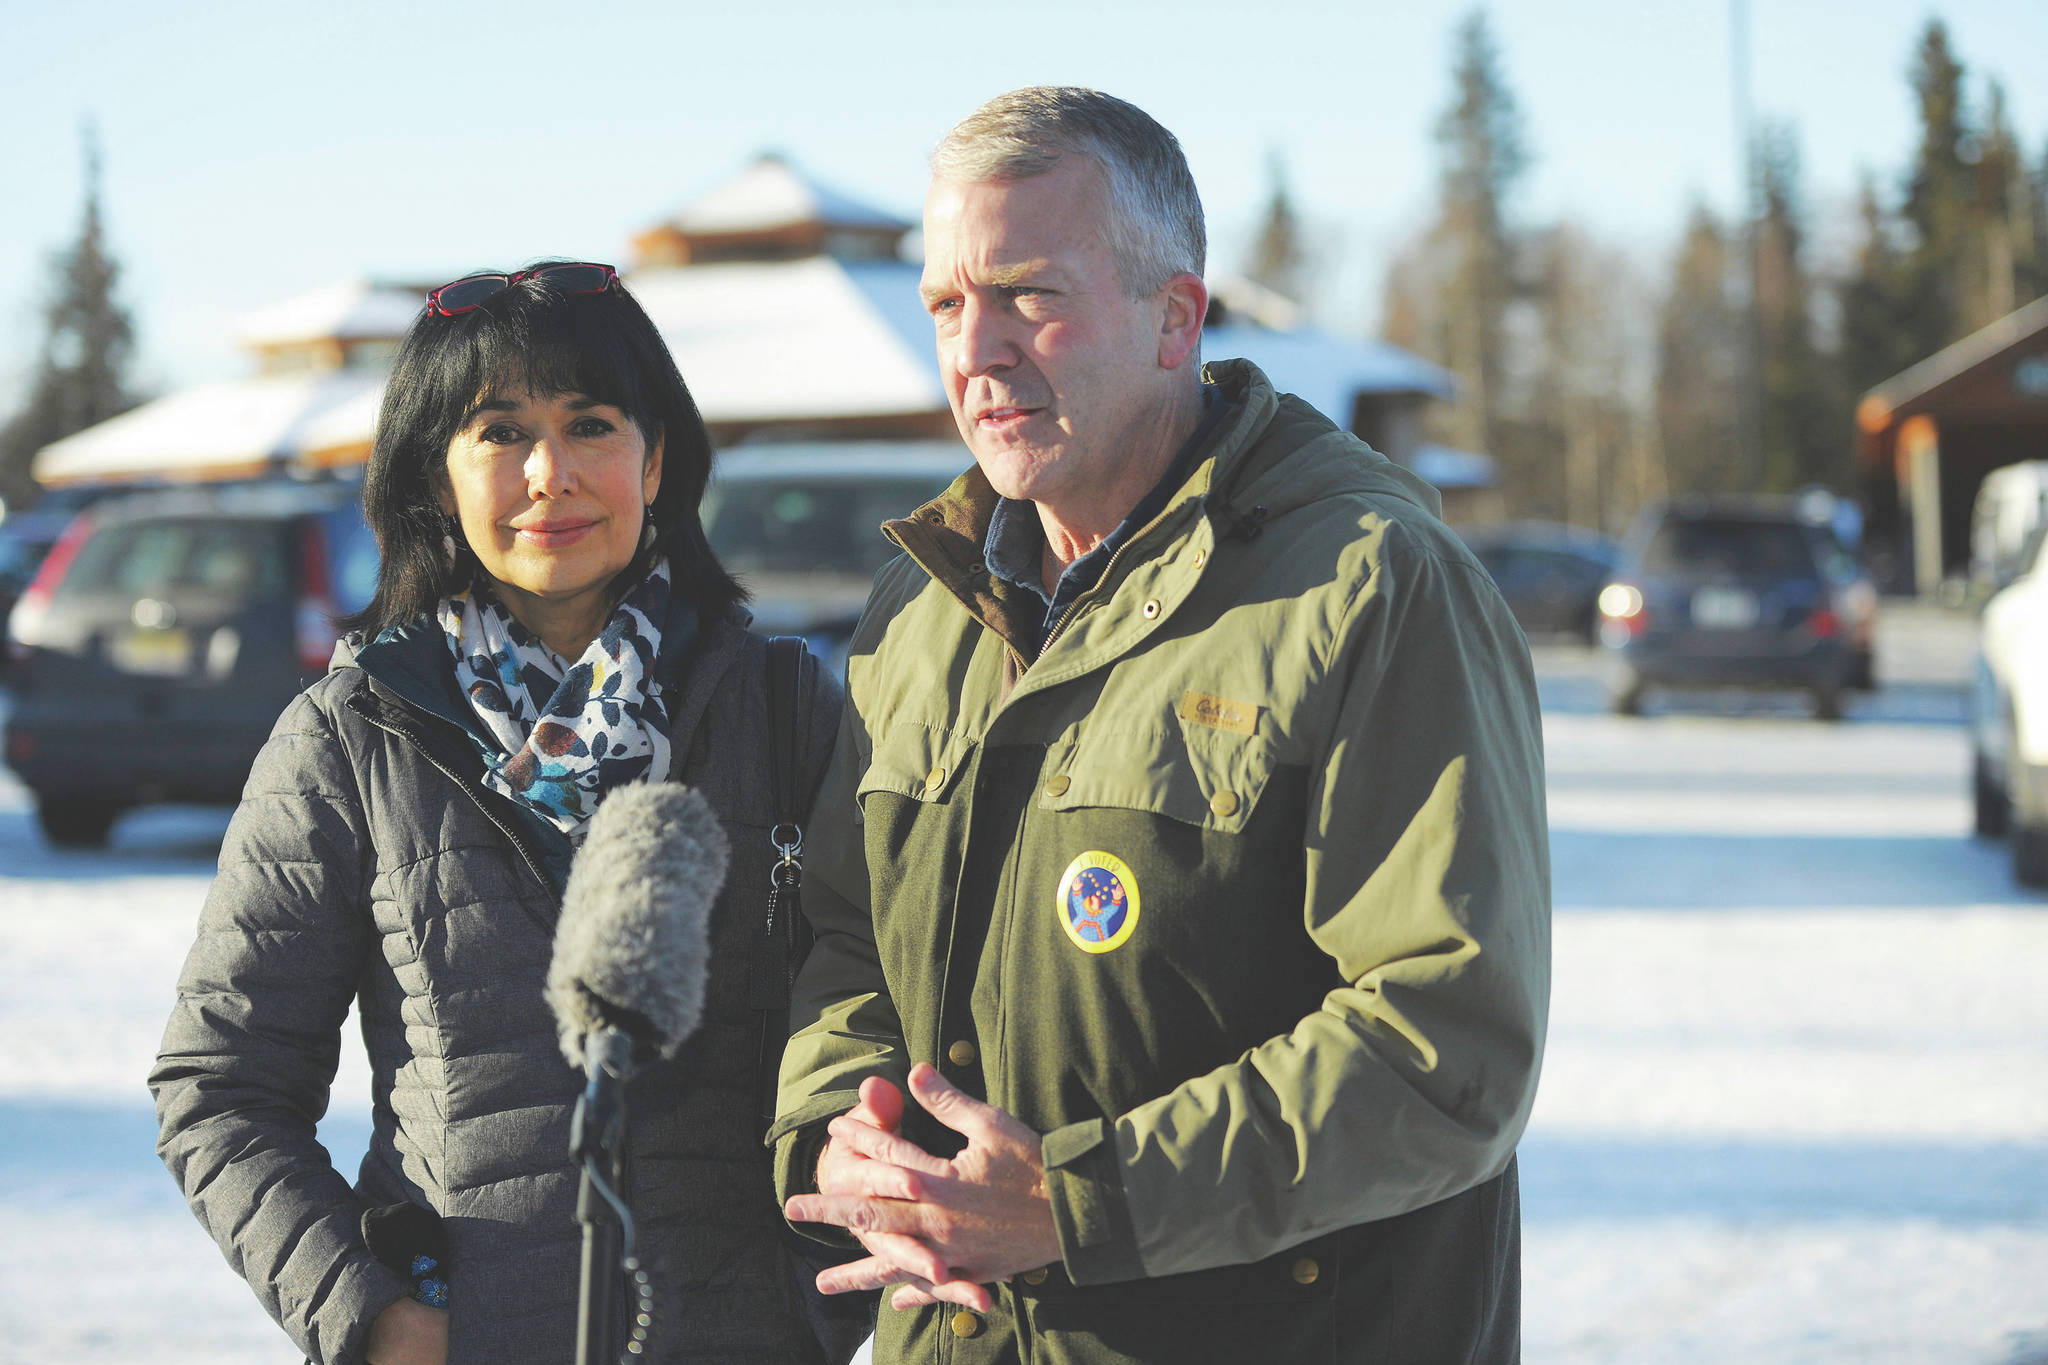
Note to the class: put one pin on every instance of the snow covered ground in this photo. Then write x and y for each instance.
(1794, 1112)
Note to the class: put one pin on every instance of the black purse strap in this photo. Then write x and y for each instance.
(783, 940)
(785, 683)
(840, 1322)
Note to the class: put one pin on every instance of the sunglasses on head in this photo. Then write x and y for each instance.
(467, 294)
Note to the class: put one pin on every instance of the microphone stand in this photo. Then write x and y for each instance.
(596, 1143)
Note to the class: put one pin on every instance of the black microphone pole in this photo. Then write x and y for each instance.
(597, 1143)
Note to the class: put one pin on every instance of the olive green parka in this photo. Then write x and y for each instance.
(1238, 892)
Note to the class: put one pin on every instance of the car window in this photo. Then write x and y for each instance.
(1502, 564)
(228, 558)
(234, 559)
(2034, 557)
(809, 526)
(1770, 549)
(98, 561)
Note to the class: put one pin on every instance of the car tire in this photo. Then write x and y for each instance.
(1993, 807)
(1827, 703)
(2030, 855)
(1625, 697)
(69, 822)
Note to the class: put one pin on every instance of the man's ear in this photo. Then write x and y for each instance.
(1184, 303)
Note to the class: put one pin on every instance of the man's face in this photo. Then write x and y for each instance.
(1053, 370)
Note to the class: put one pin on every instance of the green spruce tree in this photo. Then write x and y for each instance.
(1700, 335)
(1805, 426)
(1279, 260)
(1943, 277)
(81, 372)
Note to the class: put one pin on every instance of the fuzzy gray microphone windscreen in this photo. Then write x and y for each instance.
(633, 943)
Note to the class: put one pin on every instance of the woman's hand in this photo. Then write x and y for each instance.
(409, 1333)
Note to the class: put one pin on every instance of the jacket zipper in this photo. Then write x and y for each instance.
(469, 789)
(1074, 607)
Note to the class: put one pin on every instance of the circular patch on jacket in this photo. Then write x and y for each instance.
(1098, 901)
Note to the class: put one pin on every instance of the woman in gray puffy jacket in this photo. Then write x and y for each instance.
(549, 625)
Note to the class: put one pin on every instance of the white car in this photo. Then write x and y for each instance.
(2009, 716)
(801, 526)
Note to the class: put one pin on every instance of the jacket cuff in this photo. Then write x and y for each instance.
(813, 1113)
(796, 1172)
(1084, 1181)
(366, 1288)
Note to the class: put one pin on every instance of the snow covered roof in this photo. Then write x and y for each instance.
(801, 340)
(235, 425)
(773, 194)
(1327, 372)
(353, 310)
(806, 341)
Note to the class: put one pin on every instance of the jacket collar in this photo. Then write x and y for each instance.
(409, 663)
(946, 535)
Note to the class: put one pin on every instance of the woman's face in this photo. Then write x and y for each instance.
(551, 492)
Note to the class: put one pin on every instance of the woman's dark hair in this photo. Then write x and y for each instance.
(536, 338)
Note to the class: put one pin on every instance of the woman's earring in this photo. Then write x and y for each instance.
(648, 532)
(451, 538)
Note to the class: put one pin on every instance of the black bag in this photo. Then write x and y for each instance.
(840, 1322)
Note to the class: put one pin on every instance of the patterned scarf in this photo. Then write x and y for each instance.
(565, 733)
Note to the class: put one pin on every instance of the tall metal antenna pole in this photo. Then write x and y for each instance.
(1751, 406)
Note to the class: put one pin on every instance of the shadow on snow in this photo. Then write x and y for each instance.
(1660, 870)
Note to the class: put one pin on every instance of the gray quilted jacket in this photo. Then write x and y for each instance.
(368, 865)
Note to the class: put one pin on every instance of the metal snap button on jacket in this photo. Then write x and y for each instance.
(962, 1053)
(1224, 803)
(965, 1323)
(1058, 786)
(1038, 1276)
(1151, 609)
(1306, 1270)
(935, 779)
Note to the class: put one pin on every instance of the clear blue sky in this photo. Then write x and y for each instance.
(257, 150)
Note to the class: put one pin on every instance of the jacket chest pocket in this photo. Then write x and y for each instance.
(1207, 779)
(913, 762)
(1210, 818)
(913, 815)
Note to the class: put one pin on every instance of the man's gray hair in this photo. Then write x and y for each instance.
(1155, 215)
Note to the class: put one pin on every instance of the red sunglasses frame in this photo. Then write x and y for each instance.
(434, 304)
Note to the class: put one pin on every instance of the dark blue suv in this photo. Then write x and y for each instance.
(163, 635)
(1737, 593)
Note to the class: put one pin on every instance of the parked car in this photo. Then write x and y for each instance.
(1550, 575)
(161, 638)
(1747, 593)
(28, 535)
(800, 525)
(2009, 715)
(2011, 505)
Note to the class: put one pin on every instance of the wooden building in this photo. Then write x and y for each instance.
(1927, 437)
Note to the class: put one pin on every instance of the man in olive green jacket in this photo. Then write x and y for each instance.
(1183, 854)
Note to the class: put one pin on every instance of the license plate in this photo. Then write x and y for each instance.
(1724, 609)
(152, 653)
